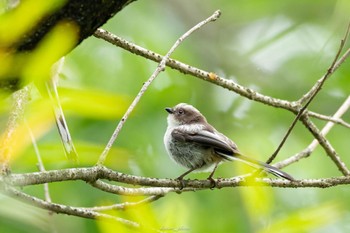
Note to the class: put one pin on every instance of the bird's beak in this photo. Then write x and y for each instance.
(169, 110)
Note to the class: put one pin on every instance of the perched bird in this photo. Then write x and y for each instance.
(196, 145)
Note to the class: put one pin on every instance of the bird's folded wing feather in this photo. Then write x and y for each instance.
(206, 138)
(225, 148)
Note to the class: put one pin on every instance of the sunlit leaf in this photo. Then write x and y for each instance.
(93, 103)
(89, 153)
(111, 226)
(14, 24)
(12, 211)
(257, 200)
(56, 44)
(175, 215)
(23, 18)
(143, 214)
(39, 119)
(306, 219)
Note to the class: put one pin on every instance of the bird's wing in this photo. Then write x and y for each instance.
(225, 148)
(219, 143)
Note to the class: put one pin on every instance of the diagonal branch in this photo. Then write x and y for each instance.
(160, 68)
(326, 145)
(329, 118)
(210, 77)
(40, 163)
(335, 65)
(316, 89)
(127, 205)
(69, 210)
(308, 150)
(196, 72)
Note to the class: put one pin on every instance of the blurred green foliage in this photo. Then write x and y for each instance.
(279, 48)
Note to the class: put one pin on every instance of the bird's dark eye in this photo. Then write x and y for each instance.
(181, 111)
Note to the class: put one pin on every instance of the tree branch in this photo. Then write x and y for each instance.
(328, 118)
(69, 210)
(196, 72)
(308, 150)
(127, 205)
(331, 152)
(312, 94)
(141, 191)
(40, 165)
(211, 77)
(159, 186)
(160, 68)
(87, 15)
(156, 188)
(334, 66)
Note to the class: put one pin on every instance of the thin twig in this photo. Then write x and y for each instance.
(42, 168)
(329, 118)
(335, 65)
(127, 205)
(309, 99)
(40, 163)
(208, 76)
(309, 149)
(331, 152)
(195, 72)
(160, 68)
(69, 210)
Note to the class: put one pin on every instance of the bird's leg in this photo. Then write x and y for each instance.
(180, 178)
(212, 181)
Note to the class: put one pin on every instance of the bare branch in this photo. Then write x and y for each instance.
(334, 66)
(308, 150)
(142, 191)
(69, 210)
(196, 72)
(42, 168)
(208, 76)
(127, 205)
(326, 145)
(130, 185)
(313, 93)
(40, 164)
(160, 68)
(159, 186)
(328, 118)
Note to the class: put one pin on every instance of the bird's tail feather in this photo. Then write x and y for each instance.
(260, 165)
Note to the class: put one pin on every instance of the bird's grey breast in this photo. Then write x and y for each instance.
(186, 153)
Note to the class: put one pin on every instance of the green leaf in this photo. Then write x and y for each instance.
(93, 103)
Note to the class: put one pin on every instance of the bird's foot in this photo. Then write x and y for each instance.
(181, 182)
(212, 182)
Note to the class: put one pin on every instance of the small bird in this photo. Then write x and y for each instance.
(195, 144)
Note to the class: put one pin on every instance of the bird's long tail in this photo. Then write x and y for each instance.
(260, 165)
